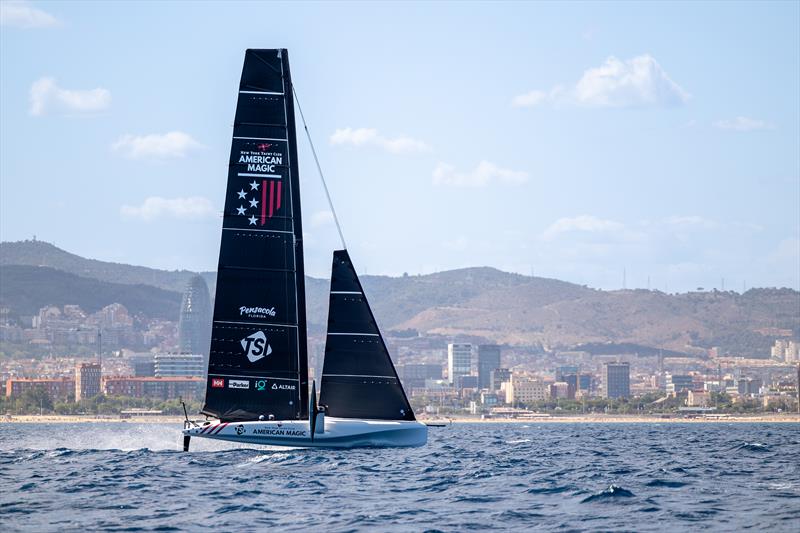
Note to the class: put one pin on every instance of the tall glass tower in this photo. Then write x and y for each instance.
(194, 324)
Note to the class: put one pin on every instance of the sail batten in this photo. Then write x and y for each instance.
(258, 359)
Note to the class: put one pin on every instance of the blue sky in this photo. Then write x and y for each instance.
(568, 140)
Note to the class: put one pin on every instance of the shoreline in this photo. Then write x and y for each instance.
(792, 418)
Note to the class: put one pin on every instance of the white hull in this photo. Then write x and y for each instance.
(337, 433)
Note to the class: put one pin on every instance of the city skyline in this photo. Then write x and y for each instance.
(634, 155)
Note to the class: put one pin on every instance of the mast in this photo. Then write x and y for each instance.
(258, 361)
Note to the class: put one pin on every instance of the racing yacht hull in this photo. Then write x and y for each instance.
(337, 433)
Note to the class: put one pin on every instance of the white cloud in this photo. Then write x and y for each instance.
(691, 222)
(172, 144)
(636, 82)
(581, 223)
(20, 14)
(46, 95)
(321, 218)
(360, 137)
(530, 99)
(481, 176)
(155, 207)
(743, 124)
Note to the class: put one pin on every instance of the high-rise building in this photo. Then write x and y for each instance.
(488, 360)
(178, 364)
(616, 380)
(87, 381)
(414, 375)
(459, 361)
(498, 377)
(194, 323)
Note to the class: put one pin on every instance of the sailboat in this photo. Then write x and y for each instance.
(257, 387)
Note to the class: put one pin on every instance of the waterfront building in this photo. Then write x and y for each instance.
(563, 371)
(749, 386)
(498, 377)
(87, 380)
(175, 364)
(698, 398)
(194, 322)
(678, 383)
(616, 380)
(57, 389)
(488, 360)
(170, 388)
(459, 361)
(520, 390)
(143, 365)
(576, 381)
(414, 375)
(562, 390)
(489, 399)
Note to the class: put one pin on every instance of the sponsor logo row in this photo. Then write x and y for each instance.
(272, 432)
(258, 384)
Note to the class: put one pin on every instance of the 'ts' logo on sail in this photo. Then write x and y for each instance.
(255, 346)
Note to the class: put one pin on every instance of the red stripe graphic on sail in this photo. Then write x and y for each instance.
(264, 201)
(278, 197)
(271, 196)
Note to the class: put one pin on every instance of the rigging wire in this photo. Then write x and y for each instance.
(319, 169)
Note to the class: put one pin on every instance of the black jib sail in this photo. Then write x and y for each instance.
(358, 377)
(258, 364)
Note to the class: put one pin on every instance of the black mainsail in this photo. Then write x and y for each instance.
(358, 377)
(258, 362)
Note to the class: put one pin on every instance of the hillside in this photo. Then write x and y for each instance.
(26, 289)
(40, 253)
(478, 302)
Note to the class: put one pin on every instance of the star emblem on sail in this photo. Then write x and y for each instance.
(266, 201)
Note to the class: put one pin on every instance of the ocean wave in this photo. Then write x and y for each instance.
(611, 493)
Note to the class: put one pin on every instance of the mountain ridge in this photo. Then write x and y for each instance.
(504, 307)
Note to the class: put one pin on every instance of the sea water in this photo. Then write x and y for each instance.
(641, 477)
